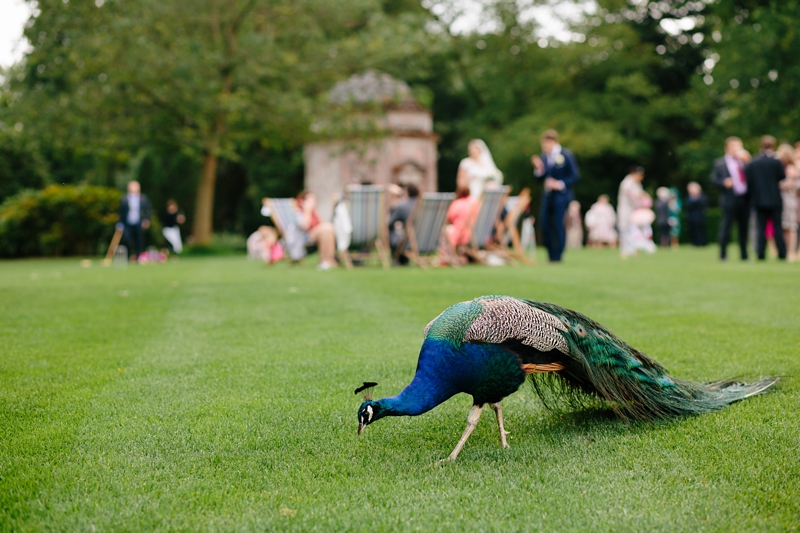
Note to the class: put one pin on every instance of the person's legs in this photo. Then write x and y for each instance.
(742, 215)
(545, 221)
(761, 231)
(559, 231)
(775, 215)
(325, 239)
(725, 230)
(134, 237)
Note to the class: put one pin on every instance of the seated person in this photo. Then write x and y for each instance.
(460, 218)
(316, 231)
(398, 216)
(263, 245)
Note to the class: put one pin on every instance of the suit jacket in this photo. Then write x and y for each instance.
(719, 174)
(145, 211)
(763, 175)
(564, 169)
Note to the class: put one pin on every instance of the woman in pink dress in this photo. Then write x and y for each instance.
(460, 217)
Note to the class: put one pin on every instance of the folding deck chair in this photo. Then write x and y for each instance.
(492, 202)
(423, 229)
(368, 215)
(283, 212)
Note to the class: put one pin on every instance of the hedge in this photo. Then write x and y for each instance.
(58, 220)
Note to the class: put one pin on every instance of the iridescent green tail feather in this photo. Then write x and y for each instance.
(635, 385)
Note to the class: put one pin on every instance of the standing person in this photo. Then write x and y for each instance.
(696, 205)
(134, 218)
(172, 219)
(662, 216)
(478, 170)
(557, 168)
(574, 224)
(728, 175)
(631, 197)
(764, 175)
(789, 190)
(600, 221)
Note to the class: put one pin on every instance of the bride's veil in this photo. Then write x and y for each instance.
(487, 161)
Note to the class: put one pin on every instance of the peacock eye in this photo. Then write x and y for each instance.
(565, 321)
(580, 330)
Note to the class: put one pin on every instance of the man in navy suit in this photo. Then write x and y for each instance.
(557, 168)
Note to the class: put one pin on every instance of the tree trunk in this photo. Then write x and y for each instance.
(204, 202)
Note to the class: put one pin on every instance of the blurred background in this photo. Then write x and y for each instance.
(213, 103)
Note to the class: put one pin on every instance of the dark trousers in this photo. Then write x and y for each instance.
(134, 238)
(554, 235)
(737, 210)
(697, 232)
(762, 215)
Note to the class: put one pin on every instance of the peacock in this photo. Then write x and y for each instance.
(487, 348)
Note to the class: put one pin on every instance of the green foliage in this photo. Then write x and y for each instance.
(217, 395)
(58, 220)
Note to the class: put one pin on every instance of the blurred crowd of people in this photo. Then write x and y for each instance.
(758, 196)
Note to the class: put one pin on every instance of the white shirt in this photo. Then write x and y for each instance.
(134, 208)
(734, 168)
(549, 159)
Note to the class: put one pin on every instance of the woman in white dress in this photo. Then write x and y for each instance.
(478, 171)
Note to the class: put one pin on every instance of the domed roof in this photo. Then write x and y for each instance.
(371, 86)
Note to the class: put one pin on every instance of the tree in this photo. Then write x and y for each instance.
(210, 79)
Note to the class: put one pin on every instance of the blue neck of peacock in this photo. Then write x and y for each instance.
(433, 383)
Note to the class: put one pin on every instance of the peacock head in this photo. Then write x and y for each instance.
(370, 411)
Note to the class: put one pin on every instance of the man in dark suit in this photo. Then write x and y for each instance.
(557, 168)
(764, 175)
(729, 176)
(134, 218)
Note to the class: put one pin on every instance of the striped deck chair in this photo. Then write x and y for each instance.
(492, 202)
(424, 227)
(515, 206)
(368, 215)
(283, 212)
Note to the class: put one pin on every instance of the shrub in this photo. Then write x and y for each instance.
(58, 220)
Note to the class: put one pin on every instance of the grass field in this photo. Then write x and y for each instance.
(214, 394)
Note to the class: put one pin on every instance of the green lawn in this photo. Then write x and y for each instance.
(215, 394)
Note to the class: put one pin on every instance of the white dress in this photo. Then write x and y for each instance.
(479, 173)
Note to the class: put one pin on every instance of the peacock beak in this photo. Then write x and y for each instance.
(361, 427)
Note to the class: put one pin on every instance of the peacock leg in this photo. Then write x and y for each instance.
(472, 421)
(498, 410)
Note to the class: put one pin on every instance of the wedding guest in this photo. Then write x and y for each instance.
(696, 204)
(172, 219)
(478, 171)
(631, 197)
(460, 217)
(789, 190)
(134, 218)
(316, 232)
(764, 175)
(398, 215)
(600, 221)
(574, 225)
(662, 216)
(557, 169)
(675, 209)
(728, 175)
